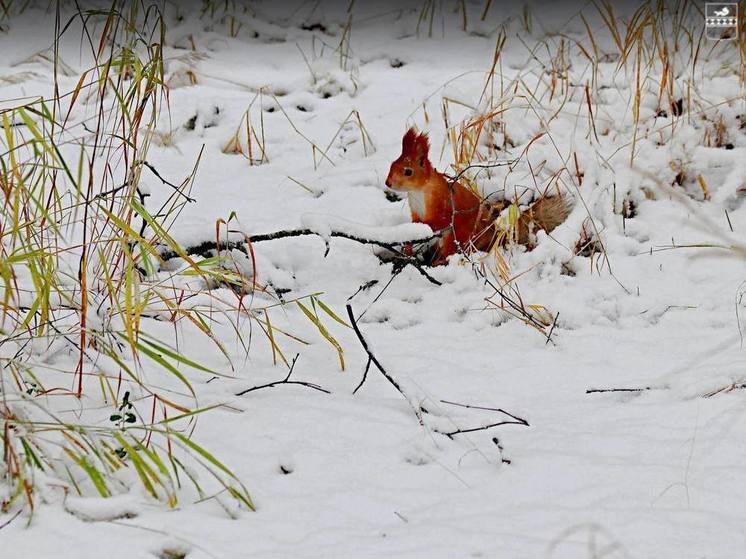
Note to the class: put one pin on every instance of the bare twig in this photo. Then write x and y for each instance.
(450, 434)
(554, 323)
(401, 258)
(365, 376)
(372, 358)
(605, 390)
(725, 389)
(167, 183)
(514, 420)
(11, 519)
(473, 407)
(286, 380)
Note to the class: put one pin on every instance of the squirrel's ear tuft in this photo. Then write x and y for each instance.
(415, 145)
(422, 145)
(409, 142)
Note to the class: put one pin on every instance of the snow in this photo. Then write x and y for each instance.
(650, 473)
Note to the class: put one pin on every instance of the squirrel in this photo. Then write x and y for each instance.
(465, 220)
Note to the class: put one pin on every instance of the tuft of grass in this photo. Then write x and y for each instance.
(247, 139)
(90, 388)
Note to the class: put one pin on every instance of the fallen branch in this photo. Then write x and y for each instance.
(205, 248)
(286, 380)
(372, 359)
(514, 420)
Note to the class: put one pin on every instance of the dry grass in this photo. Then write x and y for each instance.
(89, 388)
(659, 49)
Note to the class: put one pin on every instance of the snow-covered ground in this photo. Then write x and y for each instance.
(657, 472)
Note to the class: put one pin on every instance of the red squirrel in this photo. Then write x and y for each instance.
(466, 220)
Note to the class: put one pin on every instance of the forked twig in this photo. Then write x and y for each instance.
(176, 188)
(286, 380)
(372, 359)
(514, 420)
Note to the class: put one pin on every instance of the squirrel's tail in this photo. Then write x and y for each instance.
(546, 213)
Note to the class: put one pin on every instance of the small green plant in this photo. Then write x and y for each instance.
(125, 414)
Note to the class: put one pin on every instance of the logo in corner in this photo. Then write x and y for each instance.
(721, 21)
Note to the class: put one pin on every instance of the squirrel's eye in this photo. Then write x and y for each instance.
(407, 172)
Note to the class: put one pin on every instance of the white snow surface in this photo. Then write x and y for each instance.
(655, 473)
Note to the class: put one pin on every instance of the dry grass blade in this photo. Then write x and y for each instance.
(81, 270)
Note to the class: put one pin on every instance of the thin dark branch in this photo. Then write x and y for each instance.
(114, 190)
(463, 171)
(372, 358)
(204, 249)
(367, 285)
(394, 273)
(392, 247)
(365, 376)
(11, 519)
(726, 389)
(286, 380)
(554, 323)
(514, 420)
(281, 382)
(300, 232)
(207, 246)
(142, 197)
(604, 390)
(167, 183)
(450, 434)
(500, 410)
(403, 260)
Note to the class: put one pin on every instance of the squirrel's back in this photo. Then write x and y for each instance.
(546, 213)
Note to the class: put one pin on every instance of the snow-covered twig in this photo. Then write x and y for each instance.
(402, 259)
